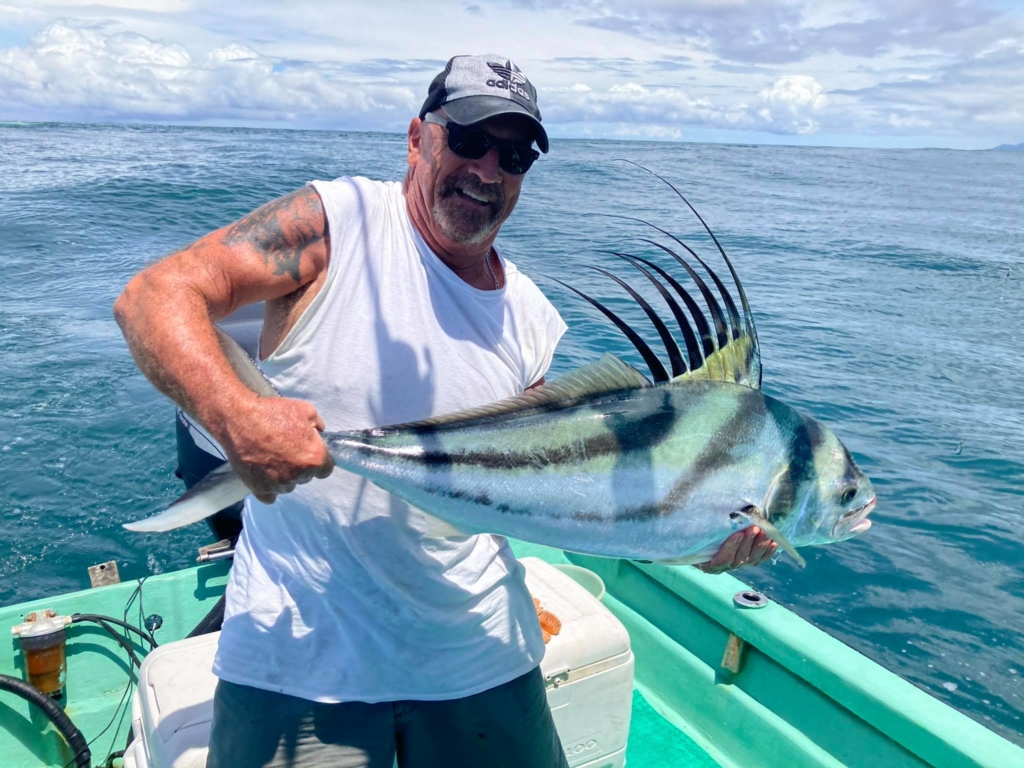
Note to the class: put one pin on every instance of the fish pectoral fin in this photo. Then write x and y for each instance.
(609, 374)
(755, 515)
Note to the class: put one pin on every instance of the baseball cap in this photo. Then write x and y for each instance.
(474, 88)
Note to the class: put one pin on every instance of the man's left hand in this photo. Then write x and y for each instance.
(747, 547)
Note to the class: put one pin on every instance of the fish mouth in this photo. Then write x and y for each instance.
(854, 522)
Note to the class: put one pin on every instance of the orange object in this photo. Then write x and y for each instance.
(549, 623)
(42, 640)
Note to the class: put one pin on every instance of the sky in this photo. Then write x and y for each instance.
(871, 73)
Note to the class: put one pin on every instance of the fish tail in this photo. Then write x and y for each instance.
(219, 489)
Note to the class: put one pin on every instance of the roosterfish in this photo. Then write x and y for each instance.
(604, 460)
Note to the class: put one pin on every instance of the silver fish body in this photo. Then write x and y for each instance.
(662, 473)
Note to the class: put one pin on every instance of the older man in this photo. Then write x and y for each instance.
(351, 634)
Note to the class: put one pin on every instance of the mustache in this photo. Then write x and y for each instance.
(471, 183)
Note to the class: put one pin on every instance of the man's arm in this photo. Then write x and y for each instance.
(167, 312)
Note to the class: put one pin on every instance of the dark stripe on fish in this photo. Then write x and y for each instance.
(717, 453)
(806, 437)
(482, 498)
(624, 435)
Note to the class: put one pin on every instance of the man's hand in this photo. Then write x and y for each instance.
(747, 547)
(274, 444)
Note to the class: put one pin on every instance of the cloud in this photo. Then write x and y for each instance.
(787, 106)
(80, 71)
(980, 95)
(85, 73)
(786, 31)
(791, 101)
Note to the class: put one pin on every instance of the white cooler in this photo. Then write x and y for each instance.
(588, 669)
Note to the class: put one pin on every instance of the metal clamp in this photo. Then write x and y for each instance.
(557, 677)
(222, 550)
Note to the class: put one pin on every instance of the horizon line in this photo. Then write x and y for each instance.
(245, 125)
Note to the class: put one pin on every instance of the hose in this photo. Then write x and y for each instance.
(102, 621)
(212, 621)
(96, 619)
(63, 724)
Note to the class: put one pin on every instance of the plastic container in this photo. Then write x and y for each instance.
(43, 640)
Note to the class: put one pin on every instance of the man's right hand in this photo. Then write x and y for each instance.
(274, 444)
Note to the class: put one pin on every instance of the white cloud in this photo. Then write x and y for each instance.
(784, 107)
(75, 71)
(907, 121)
(83, 72)
(790, 101)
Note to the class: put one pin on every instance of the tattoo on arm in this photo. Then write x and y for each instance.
(281, 231)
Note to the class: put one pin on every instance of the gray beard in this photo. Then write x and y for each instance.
(464, 226)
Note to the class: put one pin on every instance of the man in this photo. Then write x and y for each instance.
(351, 634)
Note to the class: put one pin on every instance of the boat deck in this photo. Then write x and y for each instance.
(655, 743)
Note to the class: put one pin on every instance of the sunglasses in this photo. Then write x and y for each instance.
(473, 143)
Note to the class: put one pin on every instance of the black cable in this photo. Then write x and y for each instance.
(142, 612)
(108, 726)
(97, 618)
(102, 621)
(63, 724)
(133, 659)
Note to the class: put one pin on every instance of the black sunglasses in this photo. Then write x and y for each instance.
(473, 143)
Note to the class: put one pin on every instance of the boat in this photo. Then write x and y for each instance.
(723, 677)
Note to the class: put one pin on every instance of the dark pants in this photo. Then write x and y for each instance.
(509, 725)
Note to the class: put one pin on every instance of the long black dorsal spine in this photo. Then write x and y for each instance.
(674, 355)
(748, 315)
(693, 350)
(730, 328)
(658, 372)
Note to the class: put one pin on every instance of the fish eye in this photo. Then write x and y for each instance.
(848, 495)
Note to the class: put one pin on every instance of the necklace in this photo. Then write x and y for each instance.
(490, 269)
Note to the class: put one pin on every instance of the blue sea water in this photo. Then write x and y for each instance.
(888, 288)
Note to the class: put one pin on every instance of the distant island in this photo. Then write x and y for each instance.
(1011, 147)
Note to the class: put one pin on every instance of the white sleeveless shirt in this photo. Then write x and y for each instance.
(338, 592)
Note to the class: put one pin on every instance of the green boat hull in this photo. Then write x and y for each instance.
(799, 697)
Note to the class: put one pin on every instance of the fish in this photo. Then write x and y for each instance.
(604, 460)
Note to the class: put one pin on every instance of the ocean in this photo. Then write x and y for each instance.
(888, 288)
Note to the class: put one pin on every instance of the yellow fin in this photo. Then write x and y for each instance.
(737, 362)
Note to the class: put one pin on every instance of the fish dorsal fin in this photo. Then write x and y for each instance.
(736, 362)
(728, 353)
(609, 374)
